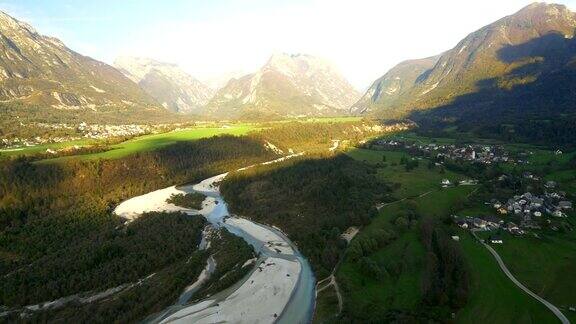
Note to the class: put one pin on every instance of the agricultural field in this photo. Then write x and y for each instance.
(30, 150)
(493, 297)
(543, 264)
(155, 141)
(417, 181)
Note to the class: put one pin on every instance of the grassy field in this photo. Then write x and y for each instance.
(155, 141)
(149, 142)
(494, 298)
(29, 150)
(399, 291)
(412, 183)
(543, 265)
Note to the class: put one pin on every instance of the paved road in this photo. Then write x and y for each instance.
(553, 308)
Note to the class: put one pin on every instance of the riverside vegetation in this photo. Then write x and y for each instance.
(57, 229)
(59, 238)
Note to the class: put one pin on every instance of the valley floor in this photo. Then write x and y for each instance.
(492, 297)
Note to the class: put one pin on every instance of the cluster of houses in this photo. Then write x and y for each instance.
(530, 206)
(16, 142)
(83, 130)
(526, 210)
(486, 154)
(488, 223)
(108, 131)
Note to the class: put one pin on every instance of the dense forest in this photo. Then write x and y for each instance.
(59, 237)
(153, 293)
(312, 199)
(114, 256)
(57, 232)
(315, 137)
(190, 200)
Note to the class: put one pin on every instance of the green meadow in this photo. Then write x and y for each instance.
(543, 264)
(412, 183)
(493, 297)
(155, 141)
(30, 150)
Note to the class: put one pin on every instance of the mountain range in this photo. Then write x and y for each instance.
(517, 51)
(521, 67)
(42, 80)
(287, 85)
(173, 88)
(40, 71)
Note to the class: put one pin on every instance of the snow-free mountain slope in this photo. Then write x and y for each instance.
(391, 89)
(287, 85)
(41, 71)
(173, 88)
(495, 52)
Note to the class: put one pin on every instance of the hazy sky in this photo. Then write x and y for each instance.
(363, 38)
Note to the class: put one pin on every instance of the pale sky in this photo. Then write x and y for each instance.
(208, 38)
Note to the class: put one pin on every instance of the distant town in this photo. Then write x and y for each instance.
(485, 154)
(86, 131)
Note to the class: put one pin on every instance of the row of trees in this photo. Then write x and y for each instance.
(446, 281)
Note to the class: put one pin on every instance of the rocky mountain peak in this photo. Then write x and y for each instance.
(175, 89)
(41, 70)
(521, 38)
(294, 64)
(288, 85)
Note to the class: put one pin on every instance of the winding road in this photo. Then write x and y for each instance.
(510, 276)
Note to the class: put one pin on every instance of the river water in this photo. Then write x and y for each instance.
(299, 307)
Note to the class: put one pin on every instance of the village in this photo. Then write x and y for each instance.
(69, 132)
(520, 214)
(485, 154)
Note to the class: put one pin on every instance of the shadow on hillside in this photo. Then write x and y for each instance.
(535, 101)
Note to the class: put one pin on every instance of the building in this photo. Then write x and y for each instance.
(495, 240)
(479, 223)
(565, 204)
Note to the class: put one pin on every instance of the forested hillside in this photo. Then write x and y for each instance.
(512, 79)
